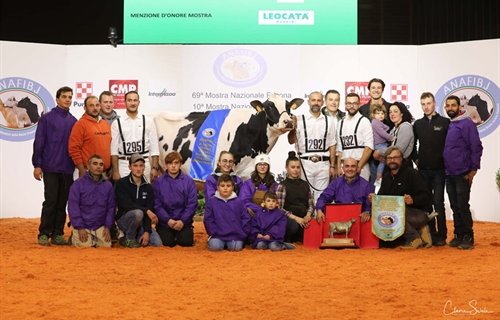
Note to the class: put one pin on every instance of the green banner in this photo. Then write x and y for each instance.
(388, 217)
(240, 22)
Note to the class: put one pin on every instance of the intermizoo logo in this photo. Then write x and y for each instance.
(22, 102)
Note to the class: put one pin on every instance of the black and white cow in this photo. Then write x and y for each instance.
(245, 132)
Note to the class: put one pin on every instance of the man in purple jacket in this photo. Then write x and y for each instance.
(348, 188)
(462, 157)
(176, 201)
(52, 162)
(91, 207)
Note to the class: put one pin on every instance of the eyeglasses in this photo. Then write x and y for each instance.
(393, 158)
(262, 164)
(352, 104)
(227, 161)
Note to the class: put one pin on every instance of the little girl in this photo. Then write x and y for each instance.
(381, 138)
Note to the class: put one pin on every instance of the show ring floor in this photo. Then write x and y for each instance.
(192, 283)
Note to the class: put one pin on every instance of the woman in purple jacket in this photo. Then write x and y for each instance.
(224, 166)
(261, 181)
(175, 203)
(226, 219)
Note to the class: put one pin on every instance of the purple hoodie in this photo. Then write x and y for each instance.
(50, 148)
(226, 219)
(463, 147)
(175, 199)
(248, 190)
(91, 204)
(272, 223)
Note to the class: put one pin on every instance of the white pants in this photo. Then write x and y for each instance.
(365, 172)
(125, 171)
(318, 176)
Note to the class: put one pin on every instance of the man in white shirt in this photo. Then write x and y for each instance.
(134, 133)
(314, 137)
(355, 137)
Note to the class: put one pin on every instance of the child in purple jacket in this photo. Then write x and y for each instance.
(226, 219)
(269, 225)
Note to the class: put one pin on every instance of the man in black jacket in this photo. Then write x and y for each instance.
(430, 132)
(409, 183)
(135, 201)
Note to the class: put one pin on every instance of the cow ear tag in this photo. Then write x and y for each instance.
(257, 105)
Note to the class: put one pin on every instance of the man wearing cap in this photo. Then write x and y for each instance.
(134, 133)
(314, 136)
(90, 135)
(135, 200)
(91, 207)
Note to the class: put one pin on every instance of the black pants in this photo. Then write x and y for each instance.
(56, 191)
(170, 237)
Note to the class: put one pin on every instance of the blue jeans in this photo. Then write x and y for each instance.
(154, 237)
(130, 222)
(215, 244)
(435, 181)
(458, 190)
(376, 166)
(272, 245)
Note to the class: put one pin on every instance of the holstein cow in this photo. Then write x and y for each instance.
(243, 132)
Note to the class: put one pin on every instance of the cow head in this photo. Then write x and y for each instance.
(278, 110)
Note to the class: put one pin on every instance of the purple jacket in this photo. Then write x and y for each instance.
(212, 183)
(226, 219)
(342, 192)
(91, 204)
(272, 223)
(463, 147)
(50, 148)
(248, 190)
(380, 134)
(175, 198)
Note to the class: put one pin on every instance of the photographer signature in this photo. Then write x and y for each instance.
(450, 310)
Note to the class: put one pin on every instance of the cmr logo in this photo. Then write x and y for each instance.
(294, 17)
(359, 87)
(119, 88)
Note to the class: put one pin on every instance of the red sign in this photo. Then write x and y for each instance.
(119, 88)
(399, 92)
(83, 90)
(359, 87)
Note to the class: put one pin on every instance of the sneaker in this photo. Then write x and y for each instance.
(439, 242)
(455, 242)
(378, 183)
(413, 244)
(132, 243)
(467, 243)
(59, 240)
(43, 240)
(425, 234)
(288, 246)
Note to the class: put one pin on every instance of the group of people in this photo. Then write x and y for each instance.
(339, 157)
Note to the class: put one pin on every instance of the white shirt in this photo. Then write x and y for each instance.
(132, 134)
(315, 130)
(363, 138)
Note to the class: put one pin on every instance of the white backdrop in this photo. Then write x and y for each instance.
(198, 78)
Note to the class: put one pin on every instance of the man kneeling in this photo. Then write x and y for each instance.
(135, 200)
(91, 207)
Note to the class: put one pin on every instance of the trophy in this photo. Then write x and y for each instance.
(339, 228)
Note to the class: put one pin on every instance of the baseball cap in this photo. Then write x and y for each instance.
(136, 157)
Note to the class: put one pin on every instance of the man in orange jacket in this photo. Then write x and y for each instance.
(90, 135)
